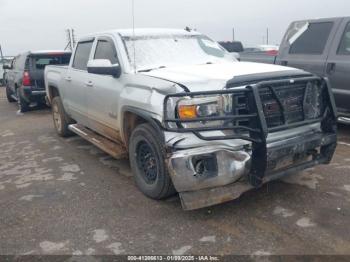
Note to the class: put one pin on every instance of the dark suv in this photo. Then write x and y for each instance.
(25, 77)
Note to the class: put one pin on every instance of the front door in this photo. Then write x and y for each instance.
(306, 45)
(338, 68)
(104, 92)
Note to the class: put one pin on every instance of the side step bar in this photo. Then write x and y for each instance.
(344, 120)
(110, 147)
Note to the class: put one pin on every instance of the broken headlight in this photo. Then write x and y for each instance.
(206, 109)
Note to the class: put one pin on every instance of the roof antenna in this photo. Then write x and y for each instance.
(133, 33)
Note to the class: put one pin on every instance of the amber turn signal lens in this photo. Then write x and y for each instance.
(187, 112)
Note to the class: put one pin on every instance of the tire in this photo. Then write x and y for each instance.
(9, 95)
(146, 154)
(60, 119)
(23, 105)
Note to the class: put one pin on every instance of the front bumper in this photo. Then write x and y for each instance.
(284, 130)
(207, 167)
(230, 179)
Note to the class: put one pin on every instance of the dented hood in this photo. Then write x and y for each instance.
(211, 77)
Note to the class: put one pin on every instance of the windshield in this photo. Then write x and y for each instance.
(154, 52)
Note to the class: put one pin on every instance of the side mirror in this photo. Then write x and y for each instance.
(7, 67)
(104, 67)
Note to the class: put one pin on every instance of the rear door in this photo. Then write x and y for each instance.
(38, 62)
(104, 91)
(307, 43)
(338, 67)
(75, 82)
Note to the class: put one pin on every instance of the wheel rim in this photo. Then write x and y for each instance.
(56, 117)
(147, 162)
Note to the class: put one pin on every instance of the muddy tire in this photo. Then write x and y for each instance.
(23, 106)
(61, 120)
(9, 95)
(147, 160)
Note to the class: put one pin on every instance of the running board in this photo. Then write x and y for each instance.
(344, 120)
(110, 147)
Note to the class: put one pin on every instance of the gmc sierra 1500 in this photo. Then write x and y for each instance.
(191, 119)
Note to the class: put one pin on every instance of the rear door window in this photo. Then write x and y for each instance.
(312, 40)
(105, 49)
(41, 61)
(344, 47)
(82, 54)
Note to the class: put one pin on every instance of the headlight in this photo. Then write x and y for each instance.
(198, 107)
(203, 107)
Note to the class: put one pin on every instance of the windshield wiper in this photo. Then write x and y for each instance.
(150, 69)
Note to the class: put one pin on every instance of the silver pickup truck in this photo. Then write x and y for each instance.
(190, 118)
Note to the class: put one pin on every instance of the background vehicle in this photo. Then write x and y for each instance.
(190, 118)
(319, 46)
(234, 47)
(260, 54)
(25, 76)
(4, 61)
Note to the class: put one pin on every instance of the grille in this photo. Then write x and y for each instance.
(282, 105)
(291, 103)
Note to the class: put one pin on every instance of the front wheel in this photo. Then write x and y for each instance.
(60, 119)
(146, 154)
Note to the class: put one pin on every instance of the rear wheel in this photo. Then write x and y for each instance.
(9, 95)
(60, 119)
(23, 105)
(146, 153)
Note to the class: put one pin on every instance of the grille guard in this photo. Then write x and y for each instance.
(258, 129)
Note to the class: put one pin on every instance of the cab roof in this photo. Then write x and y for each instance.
(140, 32)
(48, 52)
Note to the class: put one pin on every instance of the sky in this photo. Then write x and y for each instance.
(40, 24)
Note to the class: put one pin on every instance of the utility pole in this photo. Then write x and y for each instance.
(71, 40)
(233, 34)
(1, 54)
(267, 36)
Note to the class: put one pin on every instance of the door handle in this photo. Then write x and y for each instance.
(89, 83)
(331, 68)
(68, 78)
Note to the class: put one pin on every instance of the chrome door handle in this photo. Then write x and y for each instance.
(68, 78)
(89, 83)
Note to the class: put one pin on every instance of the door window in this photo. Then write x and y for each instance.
(82, 54)
(313, 40)
(344, 47)
(106, 50)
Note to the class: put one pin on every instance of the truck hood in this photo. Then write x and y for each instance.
(210, 77)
